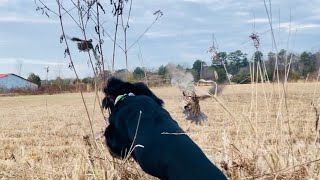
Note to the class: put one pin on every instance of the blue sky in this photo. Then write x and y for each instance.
(30, 41)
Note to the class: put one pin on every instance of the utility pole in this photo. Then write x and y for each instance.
(201, 69)
(47, 72)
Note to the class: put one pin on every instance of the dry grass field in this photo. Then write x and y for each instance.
(252, 132)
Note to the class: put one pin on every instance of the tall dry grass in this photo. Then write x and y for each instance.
(269, 134)
(252, 132)
(56, 143)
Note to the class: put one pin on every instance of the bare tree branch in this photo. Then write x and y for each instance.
(44, 7)
(158, 14)
(72, 65)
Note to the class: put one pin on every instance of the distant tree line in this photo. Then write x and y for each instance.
(234, 66)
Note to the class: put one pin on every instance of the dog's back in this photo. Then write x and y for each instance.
(167, 152)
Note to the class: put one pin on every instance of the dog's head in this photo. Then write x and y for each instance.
(116, 87)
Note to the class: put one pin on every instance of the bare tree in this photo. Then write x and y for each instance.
(89, 16)
(19, 66)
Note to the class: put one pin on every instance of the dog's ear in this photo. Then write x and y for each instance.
(112, 84)
(104, 103)
(116, 87)
(107, 103)
(141, 89)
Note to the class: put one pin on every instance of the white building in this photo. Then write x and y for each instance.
(13, 81)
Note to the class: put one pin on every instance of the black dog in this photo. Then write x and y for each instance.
(160, 146)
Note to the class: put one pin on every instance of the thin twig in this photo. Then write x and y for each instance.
(46, 7)
(273, 40)
(114, 43)
(134, 139)
(73, 67)
(125, 36)
(67, 12)
(105, 31)
(166, 133)
(281, 170)
(89, 55)
(100, 43)
(155, 20)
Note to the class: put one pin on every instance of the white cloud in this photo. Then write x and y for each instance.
(30, 61)
(25, 19)
(158, 34)
(241, 13)
(197, 31)
(314, 17)
(189, 55)
(183, 23)
(308, 26)
(302, 26)
(3, 42)
(258, 20)
(3, 2)
(174, 33)
(199, 19)
(201, 1)
(233, 5)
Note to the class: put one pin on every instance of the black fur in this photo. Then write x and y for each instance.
(116, 87)
(158, 151)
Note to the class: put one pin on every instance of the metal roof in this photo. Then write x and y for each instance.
(3, 75)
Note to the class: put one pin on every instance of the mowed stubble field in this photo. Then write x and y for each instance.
(252, 131)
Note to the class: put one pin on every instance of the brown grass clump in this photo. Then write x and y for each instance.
(252, 132)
